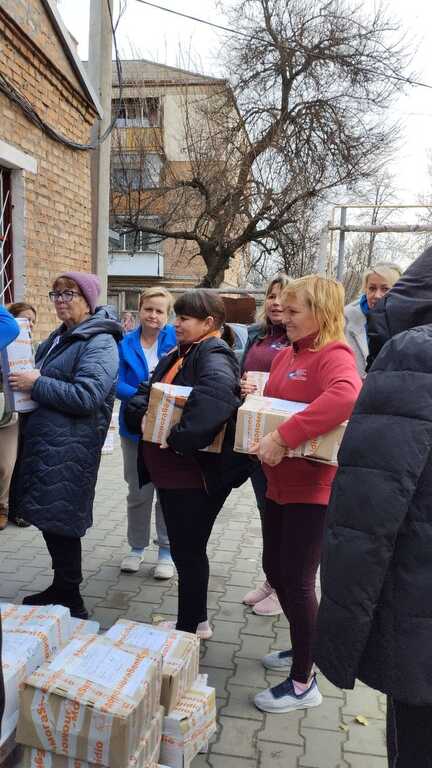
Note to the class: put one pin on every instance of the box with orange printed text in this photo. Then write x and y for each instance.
(145, 757)
(258, 416)
(180, 652)
(165, 409)
(93, 702)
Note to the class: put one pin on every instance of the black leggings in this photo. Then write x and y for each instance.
(189, 516)
(66, 559)
(409, 735)
(293, 535)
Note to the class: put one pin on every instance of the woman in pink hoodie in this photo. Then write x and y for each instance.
(319, 369)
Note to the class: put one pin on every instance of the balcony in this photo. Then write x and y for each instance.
(141, 264)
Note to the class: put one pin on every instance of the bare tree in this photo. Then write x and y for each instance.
(302, 112)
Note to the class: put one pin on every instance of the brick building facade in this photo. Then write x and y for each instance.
(44, 186)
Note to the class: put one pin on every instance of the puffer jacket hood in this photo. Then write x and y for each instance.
(407, 305)
(104, 320)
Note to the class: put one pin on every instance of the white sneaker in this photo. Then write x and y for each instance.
(131, 563)
(283, 698)
(278, 661)
(164, 569)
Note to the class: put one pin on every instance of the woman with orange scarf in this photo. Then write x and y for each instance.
(193, 484)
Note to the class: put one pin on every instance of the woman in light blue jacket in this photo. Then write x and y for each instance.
(140, 352)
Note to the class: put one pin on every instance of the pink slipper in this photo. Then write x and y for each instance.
(204, 630)
(270, 606)
(256, 595)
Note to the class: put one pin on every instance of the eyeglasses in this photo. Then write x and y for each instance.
(63, 295)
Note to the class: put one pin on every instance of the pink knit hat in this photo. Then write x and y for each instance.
(89, 284)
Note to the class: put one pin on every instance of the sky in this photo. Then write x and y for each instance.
(169, 39)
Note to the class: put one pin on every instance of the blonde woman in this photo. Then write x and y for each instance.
(319, 369)
(266, 338)
(377, 281)
(140, 352)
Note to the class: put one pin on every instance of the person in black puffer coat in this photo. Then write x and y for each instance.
(60, 442)
(193, 485)
(375, 618)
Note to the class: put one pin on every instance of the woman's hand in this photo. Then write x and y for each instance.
(270, 450)
(247, 388)
(23, 382)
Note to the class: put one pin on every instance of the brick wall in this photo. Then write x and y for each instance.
(57, 216)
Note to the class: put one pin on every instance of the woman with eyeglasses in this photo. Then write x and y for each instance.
(60, 442)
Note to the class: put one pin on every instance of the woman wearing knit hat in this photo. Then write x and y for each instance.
(61, 441)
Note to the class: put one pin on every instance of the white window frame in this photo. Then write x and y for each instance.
(19, 163)
(142, 119)
(120, 247)
(148, 169)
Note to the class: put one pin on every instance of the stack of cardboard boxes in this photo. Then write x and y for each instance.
(121, 700)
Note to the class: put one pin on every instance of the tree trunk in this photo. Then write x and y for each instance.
(216, 264)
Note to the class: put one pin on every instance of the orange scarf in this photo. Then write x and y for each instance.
(177, 366)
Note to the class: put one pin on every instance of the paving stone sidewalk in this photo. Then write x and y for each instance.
(325, 737)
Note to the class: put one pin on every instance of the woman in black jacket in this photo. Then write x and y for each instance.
(194, 485)
(375, 618)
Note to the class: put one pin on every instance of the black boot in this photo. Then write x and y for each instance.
(57, 594)
(50, 596)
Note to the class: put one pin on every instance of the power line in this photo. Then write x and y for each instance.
(233, 31)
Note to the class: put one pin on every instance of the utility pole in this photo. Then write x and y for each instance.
(100, 73)
(341, 252)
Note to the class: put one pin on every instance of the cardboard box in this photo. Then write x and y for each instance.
(18, 357)
(258, 416)
(146, 755)
(180, 652)
(49, 623)
(80, 627)
(164, 412)
(21, 655)
(260, 379)
(94, 702)
(187, 730)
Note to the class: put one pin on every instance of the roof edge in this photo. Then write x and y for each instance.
(73, 58)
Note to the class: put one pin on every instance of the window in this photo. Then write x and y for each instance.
(138, 113)
(6, 263)
(137, 241)
(133, 171)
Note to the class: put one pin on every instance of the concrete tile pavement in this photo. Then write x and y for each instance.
(326, 737)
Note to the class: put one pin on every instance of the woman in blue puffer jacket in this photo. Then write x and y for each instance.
(140, 352)
(60, 442)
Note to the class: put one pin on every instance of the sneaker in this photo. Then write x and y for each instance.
(270, 606)
(164, 569)
(256, 595)
(283, 698)
(204, 630)
(131, 563)
(278, 661)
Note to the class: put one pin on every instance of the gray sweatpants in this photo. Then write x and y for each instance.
(140, 503)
